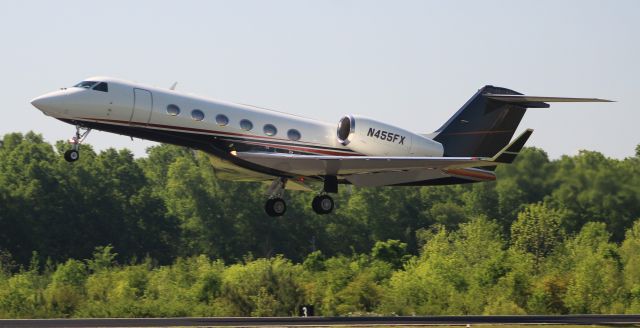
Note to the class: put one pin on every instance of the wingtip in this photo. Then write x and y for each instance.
(600, 100)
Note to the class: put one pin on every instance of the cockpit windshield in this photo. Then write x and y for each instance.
(102, 86)
(85, 84)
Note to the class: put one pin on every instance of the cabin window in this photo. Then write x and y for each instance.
(85, 84)
(102, 86)
(173, 110)
(246, 125)
(294, 135)
(270, 130)
(222, 120)
(197, 115)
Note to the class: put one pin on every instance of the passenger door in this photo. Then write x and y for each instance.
(142, 107)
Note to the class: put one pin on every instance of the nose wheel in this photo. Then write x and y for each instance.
(322, 204)
(73, 154)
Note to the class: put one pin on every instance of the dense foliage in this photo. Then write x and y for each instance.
(112, 235)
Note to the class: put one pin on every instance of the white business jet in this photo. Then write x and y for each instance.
(249, 143)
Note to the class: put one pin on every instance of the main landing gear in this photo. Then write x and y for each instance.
(73, 154)
(275, 205)
(321, 204)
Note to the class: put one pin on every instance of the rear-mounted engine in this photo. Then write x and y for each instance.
(374, 138)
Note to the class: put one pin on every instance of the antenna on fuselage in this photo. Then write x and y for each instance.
(173, 86)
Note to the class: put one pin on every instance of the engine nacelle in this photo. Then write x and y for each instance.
(374, 138)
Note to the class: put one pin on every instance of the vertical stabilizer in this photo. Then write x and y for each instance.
(483, 126)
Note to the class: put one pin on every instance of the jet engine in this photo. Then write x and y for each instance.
(374, 138)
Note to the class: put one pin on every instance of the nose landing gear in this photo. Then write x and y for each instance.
(73, 154)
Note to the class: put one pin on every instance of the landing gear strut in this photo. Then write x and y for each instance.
(73, 154)
(275, 205)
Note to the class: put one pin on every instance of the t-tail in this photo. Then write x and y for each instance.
(486, 123)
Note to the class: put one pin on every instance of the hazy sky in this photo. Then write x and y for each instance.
(409, 63)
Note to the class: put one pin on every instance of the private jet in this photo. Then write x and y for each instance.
(250, 143)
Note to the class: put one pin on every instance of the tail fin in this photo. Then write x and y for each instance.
(482, 126)
(486, 123)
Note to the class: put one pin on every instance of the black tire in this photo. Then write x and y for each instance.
(322, 204)
(275, 207)
(71, 155)
(314, 205)
(268, 207)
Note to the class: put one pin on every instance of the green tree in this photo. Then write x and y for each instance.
(250, 288)
(391, 251)
(592, 187)
(66, 291)
(595, 278)
(453, 273)
(523, 182)
(537, 231)
(629, 251)
(314, 262)
(103, 258)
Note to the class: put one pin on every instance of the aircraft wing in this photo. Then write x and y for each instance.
(313, 165)
(306, 165)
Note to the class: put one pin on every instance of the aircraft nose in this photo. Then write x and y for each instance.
(49, 102)
(39, 102)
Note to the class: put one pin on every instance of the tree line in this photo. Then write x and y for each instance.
(114, 235)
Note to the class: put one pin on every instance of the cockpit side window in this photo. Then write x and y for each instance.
(85, 84)
(102, 86)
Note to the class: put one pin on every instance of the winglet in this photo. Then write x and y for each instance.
(508, 154)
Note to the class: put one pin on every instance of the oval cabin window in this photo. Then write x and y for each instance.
(246, 125)
(173, 110)
(197, 115)
(222, 120)
(270, 130)
(294, 135)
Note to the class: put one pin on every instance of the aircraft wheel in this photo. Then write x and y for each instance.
(322, 204)
(314, 205)
(275, 207)
(71, 155)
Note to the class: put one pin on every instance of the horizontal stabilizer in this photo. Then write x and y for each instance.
(526, 99)
(508, 154)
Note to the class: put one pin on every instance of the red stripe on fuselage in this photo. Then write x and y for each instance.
(276, 146)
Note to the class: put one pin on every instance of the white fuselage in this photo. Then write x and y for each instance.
(227, 130)
(131, 104)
